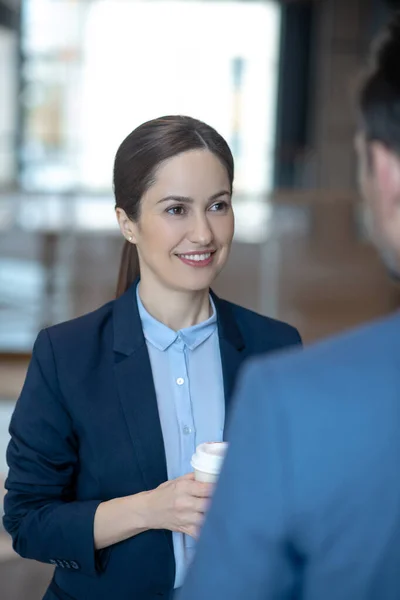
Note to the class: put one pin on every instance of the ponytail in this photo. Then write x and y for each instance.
(128, 268)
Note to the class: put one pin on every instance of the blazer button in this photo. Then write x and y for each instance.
(74, 565)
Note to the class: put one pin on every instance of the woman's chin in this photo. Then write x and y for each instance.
(195, 283)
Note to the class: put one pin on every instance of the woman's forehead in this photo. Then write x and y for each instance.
(191, 173)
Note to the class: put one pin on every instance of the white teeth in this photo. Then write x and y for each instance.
(196, 257)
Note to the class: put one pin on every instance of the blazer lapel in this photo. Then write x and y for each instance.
(232, 346)
(136, 390)
(136, 386)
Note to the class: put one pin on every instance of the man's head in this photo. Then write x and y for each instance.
(378, 145)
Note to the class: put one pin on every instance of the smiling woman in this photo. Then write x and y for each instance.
(173, 181)
(116, 402)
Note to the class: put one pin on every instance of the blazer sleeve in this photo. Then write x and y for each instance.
(244, 550)
(42, 515)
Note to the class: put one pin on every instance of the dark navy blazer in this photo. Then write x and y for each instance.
(86, 429)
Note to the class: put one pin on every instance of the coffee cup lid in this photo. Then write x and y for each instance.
(209, 457)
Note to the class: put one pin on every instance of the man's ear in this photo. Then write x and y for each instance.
(386, 171)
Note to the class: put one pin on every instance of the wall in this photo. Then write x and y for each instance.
(342, 37)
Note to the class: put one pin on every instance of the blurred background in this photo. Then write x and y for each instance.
(276, 78)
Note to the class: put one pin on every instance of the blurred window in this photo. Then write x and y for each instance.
(94, 70)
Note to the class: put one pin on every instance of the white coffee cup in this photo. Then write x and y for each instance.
(207, 461)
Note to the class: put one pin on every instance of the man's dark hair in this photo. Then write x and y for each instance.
(379, 94)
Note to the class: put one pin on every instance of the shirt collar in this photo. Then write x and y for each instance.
(162, 337)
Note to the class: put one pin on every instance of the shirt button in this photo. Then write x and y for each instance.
(187, 430)
(180, 381)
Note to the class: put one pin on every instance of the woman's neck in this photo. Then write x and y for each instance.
(176, 309)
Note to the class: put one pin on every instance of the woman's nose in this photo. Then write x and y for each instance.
(201, 232)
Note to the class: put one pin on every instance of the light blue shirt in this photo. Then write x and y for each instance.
(187, 373)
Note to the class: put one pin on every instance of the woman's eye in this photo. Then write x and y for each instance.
(219, 207)
(176, 211)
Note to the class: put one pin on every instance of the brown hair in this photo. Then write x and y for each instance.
(137, 160)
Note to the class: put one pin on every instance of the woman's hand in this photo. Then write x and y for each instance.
(179, 505)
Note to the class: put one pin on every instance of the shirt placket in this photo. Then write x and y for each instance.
(184, 407)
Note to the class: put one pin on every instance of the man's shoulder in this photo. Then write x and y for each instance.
(329, 383)
(371, 344)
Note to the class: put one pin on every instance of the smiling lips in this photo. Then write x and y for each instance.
(194, 259)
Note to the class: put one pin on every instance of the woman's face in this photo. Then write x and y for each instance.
(186, 224)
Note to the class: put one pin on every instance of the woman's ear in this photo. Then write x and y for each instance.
(126, 225)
